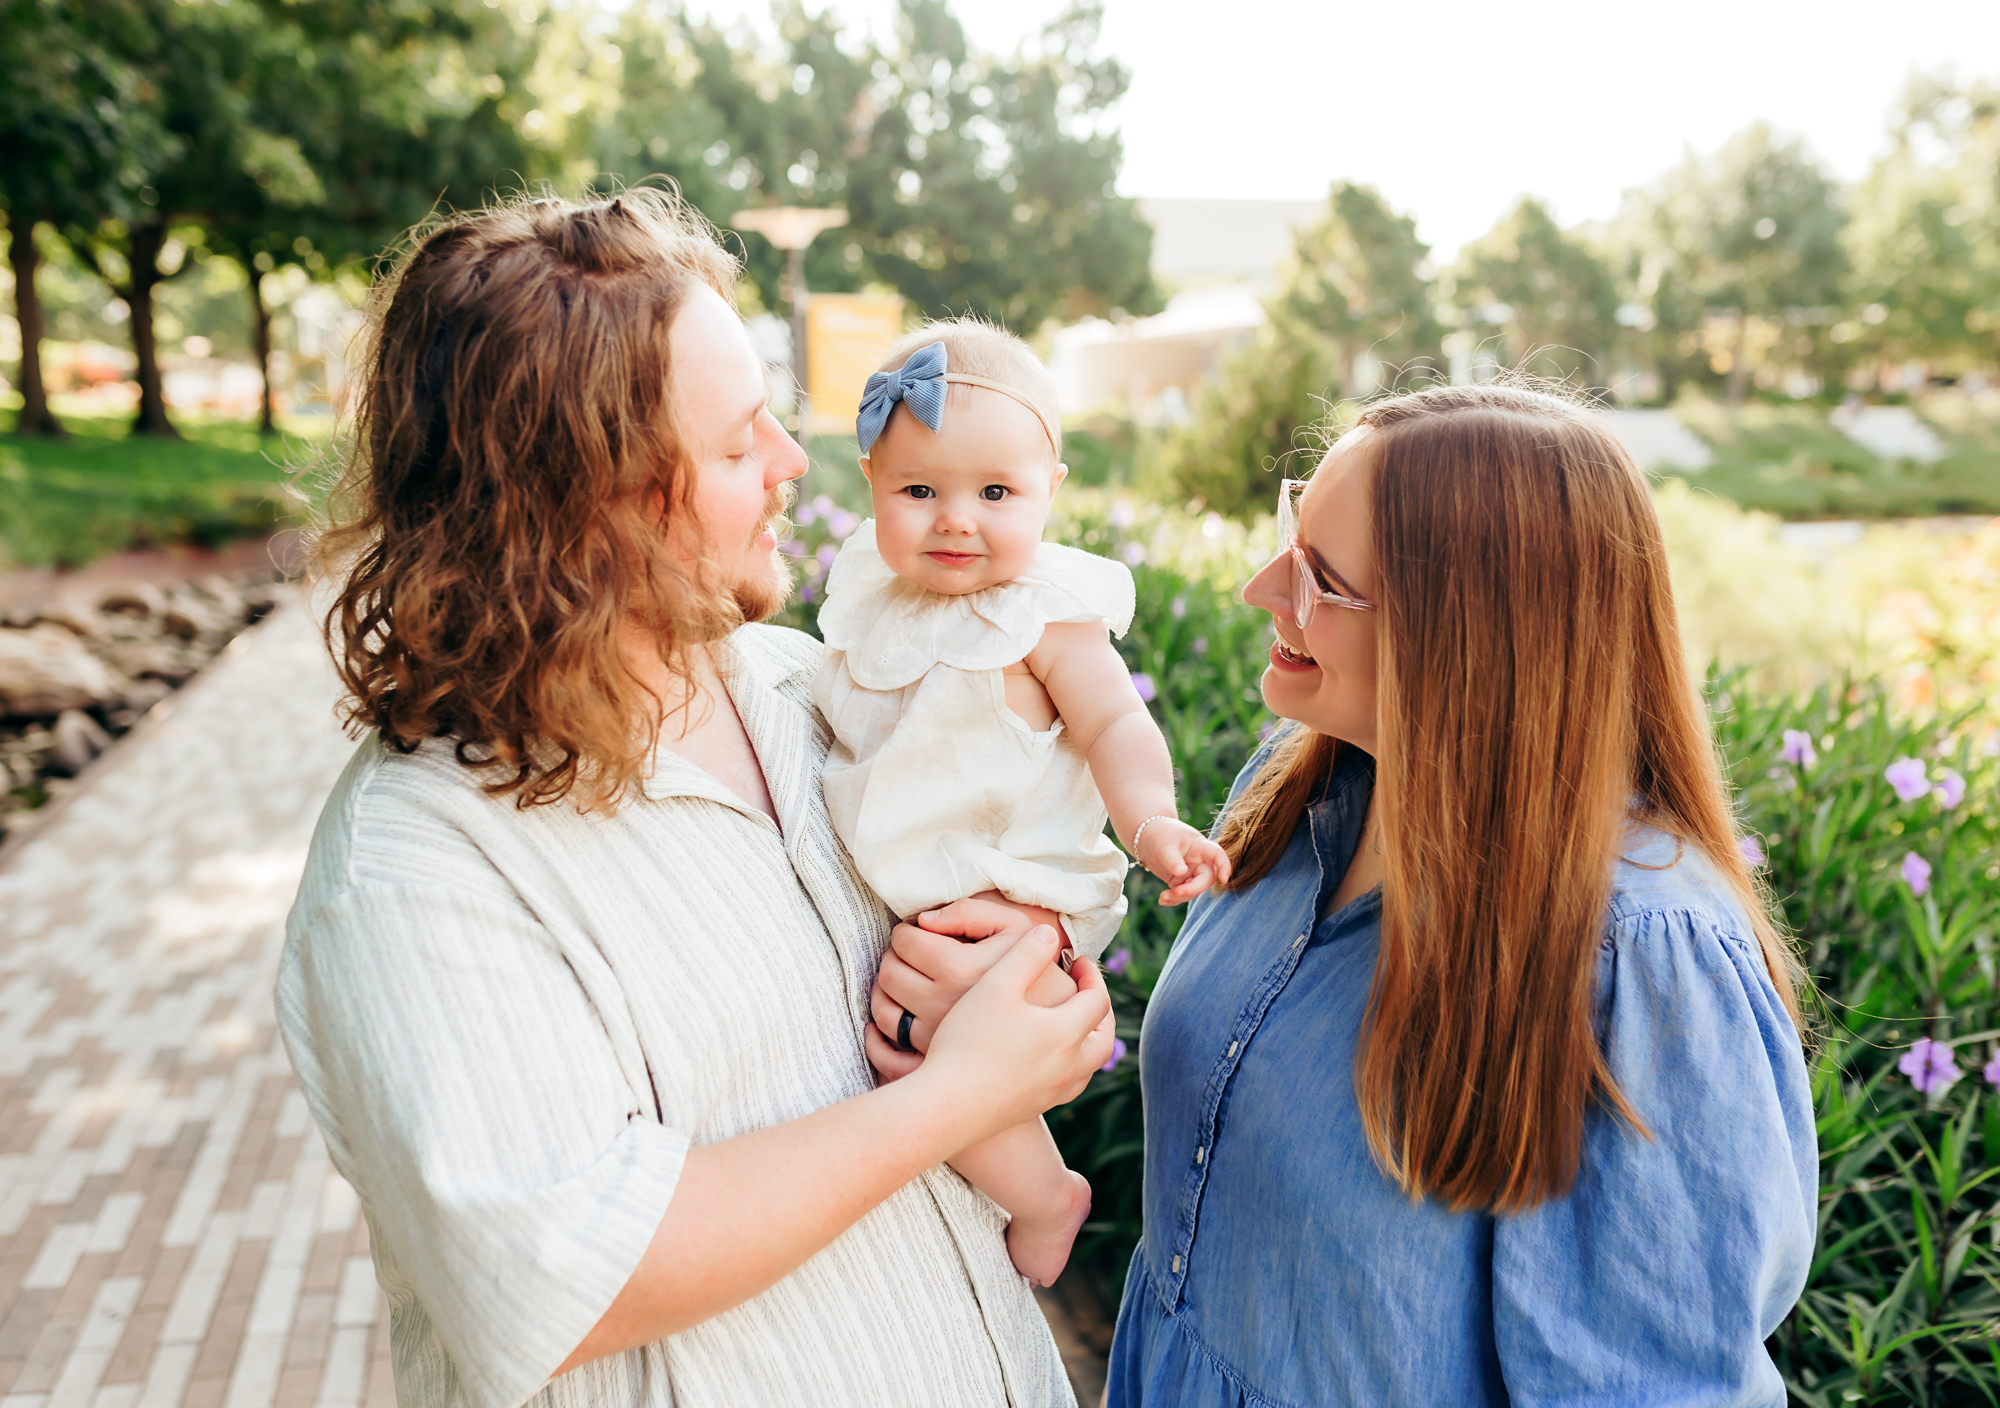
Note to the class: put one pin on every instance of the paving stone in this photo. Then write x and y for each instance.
(147, 1111)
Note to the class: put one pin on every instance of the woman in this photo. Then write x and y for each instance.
(576, 982)
(1482, 1083)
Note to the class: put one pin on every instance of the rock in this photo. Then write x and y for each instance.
(133, 598)
(146, 659)
(78, 739)
(188, 615)
(45, 670)
(75, 613)
(142, 695)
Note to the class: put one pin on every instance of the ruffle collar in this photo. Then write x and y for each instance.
(893, 631)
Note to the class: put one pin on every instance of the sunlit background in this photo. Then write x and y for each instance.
(1762, 239)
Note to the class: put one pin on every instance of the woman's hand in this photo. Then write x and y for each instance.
(931, 964)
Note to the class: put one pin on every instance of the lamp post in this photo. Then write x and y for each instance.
(791, 228)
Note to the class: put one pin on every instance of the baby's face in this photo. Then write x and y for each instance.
(962, 508)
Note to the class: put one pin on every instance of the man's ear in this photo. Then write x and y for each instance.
(865, 474)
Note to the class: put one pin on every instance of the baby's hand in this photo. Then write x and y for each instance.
(1180, 855)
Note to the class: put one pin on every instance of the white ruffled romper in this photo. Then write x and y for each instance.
(939, 789)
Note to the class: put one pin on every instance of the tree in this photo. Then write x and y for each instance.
(1360, 287)
(394, 107)
(1925, 237)
(1550, 299)
(76, 134)
(1355, 300)
(972, 182)
(1750, 236)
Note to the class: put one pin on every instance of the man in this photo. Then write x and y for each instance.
(578, 975)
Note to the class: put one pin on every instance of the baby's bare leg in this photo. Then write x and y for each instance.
(1022, 1170)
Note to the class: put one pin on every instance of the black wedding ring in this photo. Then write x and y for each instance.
(903, 1031)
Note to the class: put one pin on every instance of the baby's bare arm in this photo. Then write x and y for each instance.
(1092, 691)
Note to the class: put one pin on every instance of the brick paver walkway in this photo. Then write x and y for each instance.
(170, 1231)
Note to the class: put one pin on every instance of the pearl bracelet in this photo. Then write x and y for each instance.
(1157, 816)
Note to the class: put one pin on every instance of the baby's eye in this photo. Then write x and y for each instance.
(994, 493)
(921, 491)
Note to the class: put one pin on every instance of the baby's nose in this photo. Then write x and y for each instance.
(956, 520)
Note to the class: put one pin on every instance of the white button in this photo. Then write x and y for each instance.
(1201, 1154)
(1299, 940)
(1232, 1049)
(1177, 1266)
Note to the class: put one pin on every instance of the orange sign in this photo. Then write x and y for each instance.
(847, 336)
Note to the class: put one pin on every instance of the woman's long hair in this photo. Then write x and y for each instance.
(1532, 695)
(498, 523)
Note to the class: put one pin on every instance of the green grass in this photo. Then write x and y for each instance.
(1791, 461)
(66, 502)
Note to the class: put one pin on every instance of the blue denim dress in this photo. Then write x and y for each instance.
(1279, 1266)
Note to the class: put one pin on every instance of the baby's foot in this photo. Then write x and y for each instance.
(1040, 1245)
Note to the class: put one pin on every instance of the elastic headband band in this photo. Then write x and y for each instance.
(920, 384)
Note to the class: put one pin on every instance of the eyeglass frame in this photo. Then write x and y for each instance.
(1307, 590)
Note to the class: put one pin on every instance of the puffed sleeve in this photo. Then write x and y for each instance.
(470, 1089)
(1658, 1277)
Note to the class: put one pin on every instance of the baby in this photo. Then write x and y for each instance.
(983, 722)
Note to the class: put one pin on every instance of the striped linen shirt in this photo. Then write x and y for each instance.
(511, 1026)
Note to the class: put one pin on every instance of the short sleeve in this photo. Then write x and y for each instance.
(470, 1091)
(1659, 1276)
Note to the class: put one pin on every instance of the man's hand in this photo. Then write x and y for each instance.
(932, 963)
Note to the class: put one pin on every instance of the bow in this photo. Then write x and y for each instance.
(918, 384)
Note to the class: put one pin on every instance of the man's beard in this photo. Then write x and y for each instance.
(765, 595)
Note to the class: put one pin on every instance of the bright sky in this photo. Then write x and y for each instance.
(1456, 107)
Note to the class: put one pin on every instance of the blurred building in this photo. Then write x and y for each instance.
(1219, 259)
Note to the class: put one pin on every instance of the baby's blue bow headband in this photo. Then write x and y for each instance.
(919, 384)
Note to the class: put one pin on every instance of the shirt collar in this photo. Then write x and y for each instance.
(772, 696)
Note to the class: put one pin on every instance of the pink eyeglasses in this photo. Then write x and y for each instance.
(1307, 593)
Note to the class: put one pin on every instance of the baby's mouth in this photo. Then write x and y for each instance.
(953, 559)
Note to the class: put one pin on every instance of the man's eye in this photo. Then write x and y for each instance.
(994, 493)
(921, 491)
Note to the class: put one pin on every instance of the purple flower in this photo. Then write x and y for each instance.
(792, 547)
(821, 505)
(1916, 873)
(1266, 729)
(1117, 1054)
(1753, 852)
(805, 591)
(1178, 606)
(1144, 684)
(1906, 775)
(1123, 515)
(1799, 748)
(1930, 1066)
(1119, 961)
(840, 522)
(1992, 1071)
(1200, 646)
(826, 554)
(805, 513)
(1950, 790)
(1133, 554)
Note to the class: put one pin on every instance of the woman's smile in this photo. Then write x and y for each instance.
(1290, 659)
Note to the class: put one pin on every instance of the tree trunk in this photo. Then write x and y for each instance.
(36, 418)
(266, 424)
(1739, 365)
(144, 248)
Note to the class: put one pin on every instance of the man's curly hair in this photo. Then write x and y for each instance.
(498, 524)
